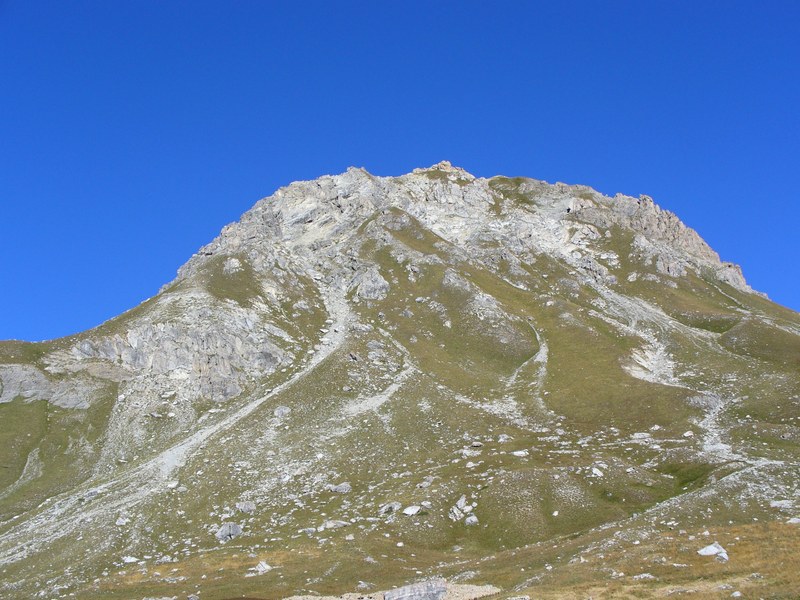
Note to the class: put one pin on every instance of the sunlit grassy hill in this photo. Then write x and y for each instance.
(371, 381)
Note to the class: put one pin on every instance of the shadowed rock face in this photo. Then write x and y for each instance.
(399, 371)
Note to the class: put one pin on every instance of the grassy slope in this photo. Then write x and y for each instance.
(421, 431)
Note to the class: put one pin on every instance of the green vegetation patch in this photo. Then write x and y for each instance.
(758, 340)
(588, 385)
(415, 236)
(68, 442)
(238, 283)
(687, 474)
(513, 189)
(445, 333)
(17, 352)
(759, 304)
(438, 175)
(694, 302)
(24, 424)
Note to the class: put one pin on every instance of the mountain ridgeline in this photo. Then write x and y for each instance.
(371, 381)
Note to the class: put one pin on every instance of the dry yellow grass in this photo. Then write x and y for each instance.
(764, 563)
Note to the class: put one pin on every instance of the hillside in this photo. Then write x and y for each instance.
(371, 381)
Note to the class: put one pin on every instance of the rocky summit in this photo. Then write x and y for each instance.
(514, 387)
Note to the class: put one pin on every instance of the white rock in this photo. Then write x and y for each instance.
(228, 531)
(389, 508)
(372, 285)
(342, 488)
(426, 590)
(333, 524)
(281, 411)
(232, 265)
(411, 510)
(262, 568)
(714, 550)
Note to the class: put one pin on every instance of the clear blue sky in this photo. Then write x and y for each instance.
(132, 131)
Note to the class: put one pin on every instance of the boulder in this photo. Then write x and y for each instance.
(342, 488)
(333, 524)
(433, 589)
(282, 411)
(714, 550)
(228, 531)
(372, 285)
(389, 508)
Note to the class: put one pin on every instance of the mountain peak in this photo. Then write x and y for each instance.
(443, 165)
(575, 222)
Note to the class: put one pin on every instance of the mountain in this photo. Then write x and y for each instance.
(371, 381)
